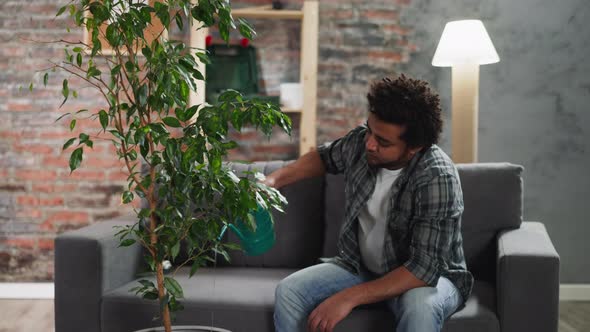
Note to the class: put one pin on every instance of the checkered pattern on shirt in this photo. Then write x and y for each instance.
(424, 216)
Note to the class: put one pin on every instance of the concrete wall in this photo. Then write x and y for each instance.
(534, 105)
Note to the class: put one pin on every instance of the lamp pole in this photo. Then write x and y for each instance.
(465, 103)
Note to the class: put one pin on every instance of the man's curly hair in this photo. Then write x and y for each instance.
(411, 103)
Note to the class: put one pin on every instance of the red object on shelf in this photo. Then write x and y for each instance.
(208, 40)
(244, 42)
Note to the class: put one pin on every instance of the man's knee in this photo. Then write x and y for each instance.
(287, 293)
(419, 303)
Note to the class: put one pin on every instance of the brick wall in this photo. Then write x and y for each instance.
(359, 42)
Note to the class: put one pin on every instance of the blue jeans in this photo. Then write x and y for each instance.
(419, 309)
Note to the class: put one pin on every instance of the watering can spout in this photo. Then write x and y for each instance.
(233, 228)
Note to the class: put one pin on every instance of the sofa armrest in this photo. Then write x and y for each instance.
(89, 262)
(527, 280)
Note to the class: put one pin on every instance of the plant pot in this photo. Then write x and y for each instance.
(186, 328)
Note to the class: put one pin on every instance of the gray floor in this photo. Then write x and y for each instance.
(37, 315)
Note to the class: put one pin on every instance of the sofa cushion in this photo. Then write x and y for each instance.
(477, 315)
(236, 299)
(334, 213)
(299, 231)
(493, 199)
(239, 298)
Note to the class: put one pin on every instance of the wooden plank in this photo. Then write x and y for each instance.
(267, 12)
(308, 75)
(197, 40)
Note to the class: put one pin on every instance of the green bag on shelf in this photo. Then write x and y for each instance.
(233, 67)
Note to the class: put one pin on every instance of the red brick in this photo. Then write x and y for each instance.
(22, 243)
(118, 176)
(36, 175)
(33, 148)
(384, 55)
(17, 107)
(64, 217)
(10, 134)
(46, 244)
(86, 175)
(54, 188)
(29, 213)
(28, 200)
(62, 134)
(396, 29)
(108, 162)
(389, 15)
(61, 162)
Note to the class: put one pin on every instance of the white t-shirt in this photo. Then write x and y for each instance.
(373, 221)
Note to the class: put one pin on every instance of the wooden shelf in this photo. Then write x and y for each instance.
(309, 17)
(291, 110)
(267, 12)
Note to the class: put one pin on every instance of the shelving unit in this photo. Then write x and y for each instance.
(309, 17)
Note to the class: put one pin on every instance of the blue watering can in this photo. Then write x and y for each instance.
(254, 242)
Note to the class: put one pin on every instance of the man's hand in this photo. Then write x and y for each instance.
(329, 313)
(271, 181)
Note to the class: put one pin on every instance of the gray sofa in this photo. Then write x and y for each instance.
(515, 265)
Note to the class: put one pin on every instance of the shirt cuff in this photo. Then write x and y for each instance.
(424, 268)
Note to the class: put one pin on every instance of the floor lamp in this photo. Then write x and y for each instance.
(464, 46)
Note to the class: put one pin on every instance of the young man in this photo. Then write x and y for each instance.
(400, 241)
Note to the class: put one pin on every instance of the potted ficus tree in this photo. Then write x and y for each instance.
(191, 195)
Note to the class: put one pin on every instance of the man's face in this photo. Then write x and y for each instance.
(383, 145)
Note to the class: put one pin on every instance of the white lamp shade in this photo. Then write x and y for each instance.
(464, 42)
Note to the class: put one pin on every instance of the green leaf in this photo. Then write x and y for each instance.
(126, 197)
(246, 29)
(175, 250)
(163, 14)
(77, 49)
(147, 52)
(79, 59)
(132, 155)
(76, 159)
(45, 79)
(68, 143)
(104, 119)
(153, 295)
(178, 20)
(65, 90)
(127, 242)
(173, 287)
(171, 122)
(142, 94)
(190, 112)
(93, 71)
(72, 124)
(61, 10)
(117, 134)
(116, 70)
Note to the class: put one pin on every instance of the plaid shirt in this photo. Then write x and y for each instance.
(424, 216)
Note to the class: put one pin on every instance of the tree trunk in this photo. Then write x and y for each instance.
(161, 293)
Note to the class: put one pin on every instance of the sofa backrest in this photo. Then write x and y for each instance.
(492, 194)
(299, 231)
(493, 197)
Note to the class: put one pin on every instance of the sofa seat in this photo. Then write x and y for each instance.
(233, 298)
(236, 298)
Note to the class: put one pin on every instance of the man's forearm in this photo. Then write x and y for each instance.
(307, 166)
(387, 287)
